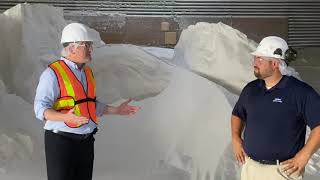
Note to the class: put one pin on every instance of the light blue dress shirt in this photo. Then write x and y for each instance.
(48, 91)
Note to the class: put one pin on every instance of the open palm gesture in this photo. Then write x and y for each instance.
(126, 109)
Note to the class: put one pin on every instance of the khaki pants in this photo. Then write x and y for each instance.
(253, 170)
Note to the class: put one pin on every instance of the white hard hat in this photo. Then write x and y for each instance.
(272, 46)
(75, 32)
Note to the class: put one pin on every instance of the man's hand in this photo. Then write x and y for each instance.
(125, 109)
(70, 117)
(295, 164)
(238, 150)
(299, 161)
(237, 143)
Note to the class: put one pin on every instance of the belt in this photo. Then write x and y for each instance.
(78, 137)
(268, 162)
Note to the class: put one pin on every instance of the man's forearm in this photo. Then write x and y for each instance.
(313, 142)
(110, 110)
(53, 115)
(236, 127)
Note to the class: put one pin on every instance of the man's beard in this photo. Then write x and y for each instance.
(257, 73)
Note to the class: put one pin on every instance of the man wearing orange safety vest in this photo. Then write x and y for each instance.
(66, 101)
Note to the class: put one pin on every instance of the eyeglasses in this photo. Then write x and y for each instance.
(86, 44)
(260, 59)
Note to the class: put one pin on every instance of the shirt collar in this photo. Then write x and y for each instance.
(281, 84)
(70, 63)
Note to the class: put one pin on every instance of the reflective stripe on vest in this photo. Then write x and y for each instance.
(72, 93)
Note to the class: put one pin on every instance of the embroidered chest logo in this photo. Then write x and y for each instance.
(277, 100)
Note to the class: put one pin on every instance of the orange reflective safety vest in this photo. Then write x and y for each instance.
(72, 93)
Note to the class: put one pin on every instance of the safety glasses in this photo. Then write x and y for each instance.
(86, 44)
(261, 58)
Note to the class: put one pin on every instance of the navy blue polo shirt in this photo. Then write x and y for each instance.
(276, 119)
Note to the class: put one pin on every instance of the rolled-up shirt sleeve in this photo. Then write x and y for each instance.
(46, 94)
(100, 107)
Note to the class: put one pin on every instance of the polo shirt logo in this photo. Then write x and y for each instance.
(277, 100)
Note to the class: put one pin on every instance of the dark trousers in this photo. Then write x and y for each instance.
(68, 159)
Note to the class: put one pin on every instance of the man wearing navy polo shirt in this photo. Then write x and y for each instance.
(273, 111)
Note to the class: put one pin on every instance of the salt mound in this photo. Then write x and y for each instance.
(217, 52)
(14, 148)
(126, 71)
(31, 36)
(20, 138)
(28, 32)
(185, 121)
